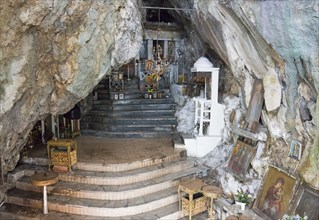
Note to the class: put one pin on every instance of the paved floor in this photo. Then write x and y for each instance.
(113, 151)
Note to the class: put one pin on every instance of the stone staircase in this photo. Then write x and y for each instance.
(109, 191)
(131, 117)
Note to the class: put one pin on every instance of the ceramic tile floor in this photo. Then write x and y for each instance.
(115, 151)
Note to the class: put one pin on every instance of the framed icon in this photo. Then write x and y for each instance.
(275, 195)
(306, 202)
(295, 149)
(240, 159)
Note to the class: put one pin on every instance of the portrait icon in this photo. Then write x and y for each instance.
(306, 202)
(275, 194)
(240, 159)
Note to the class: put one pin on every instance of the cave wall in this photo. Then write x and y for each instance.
(276, 41)
(52, 54)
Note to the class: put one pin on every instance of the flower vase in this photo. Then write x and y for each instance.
(242, 205)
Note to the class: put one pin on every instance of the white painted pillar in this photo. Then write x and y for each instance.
(58, 127)
(150, 49)
(201, 119)
(53, 126)
(196, 111)
(45, 200)
(72, 126)
(43, 131)
(165, 48)
(214, 85)
(205, 89)
(128, 72)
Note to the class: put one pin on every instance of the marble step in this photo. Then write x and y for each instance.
(16, 212)
(132, 113)
(125, 91)
(99, 167)
(112, 192)
(141, 128)
(127, 128)
(135, 101)
(103, 97)
(158, 120)
(102, 86)
(129, 96)
(91, 207)
(113, 178)
(129, 107)
(137, 134)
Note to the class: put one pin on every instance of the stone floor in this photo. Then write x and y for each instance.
(115, 151)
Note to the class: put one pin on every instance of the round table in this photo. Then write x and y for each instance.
(44, 179)
(211, 192)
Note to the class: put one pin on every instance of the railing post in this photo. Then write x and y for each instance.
(201, 122)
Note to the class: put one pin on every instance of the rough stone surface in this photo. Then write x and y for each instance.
(255, 41)
(253, 37)
(52, 55)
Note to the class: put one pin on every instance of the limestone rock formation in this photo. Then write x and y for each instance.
(276, 41)
(52, 55)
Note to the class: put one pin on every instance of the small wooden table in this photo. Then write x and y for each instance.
(191, 187)
(44, 179)
(67, 158)
(211, 192)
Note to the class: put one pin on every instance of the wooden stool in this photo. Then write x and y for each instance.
(191, 187)
(44, 179)
(211, 192)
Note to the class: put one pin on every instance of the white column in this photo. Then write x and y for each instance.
(165, 48)
(196, 111)
(72, 126)
(58, 127)
(53, 126)
(43, 131)
(205, 88)
(150, 49)
(201, 122)
(214, 85)
(45, 200)
(128, 71)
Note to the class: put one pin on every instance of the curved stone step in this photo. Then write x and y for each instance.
(99, 167)
(122, 178)
(112, 192)
(16, 212)
(95, 207)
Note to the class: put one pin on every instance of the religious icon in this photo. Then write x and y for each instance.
(275, 195)
(295, 150)
(306, 202)
(240, 159)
